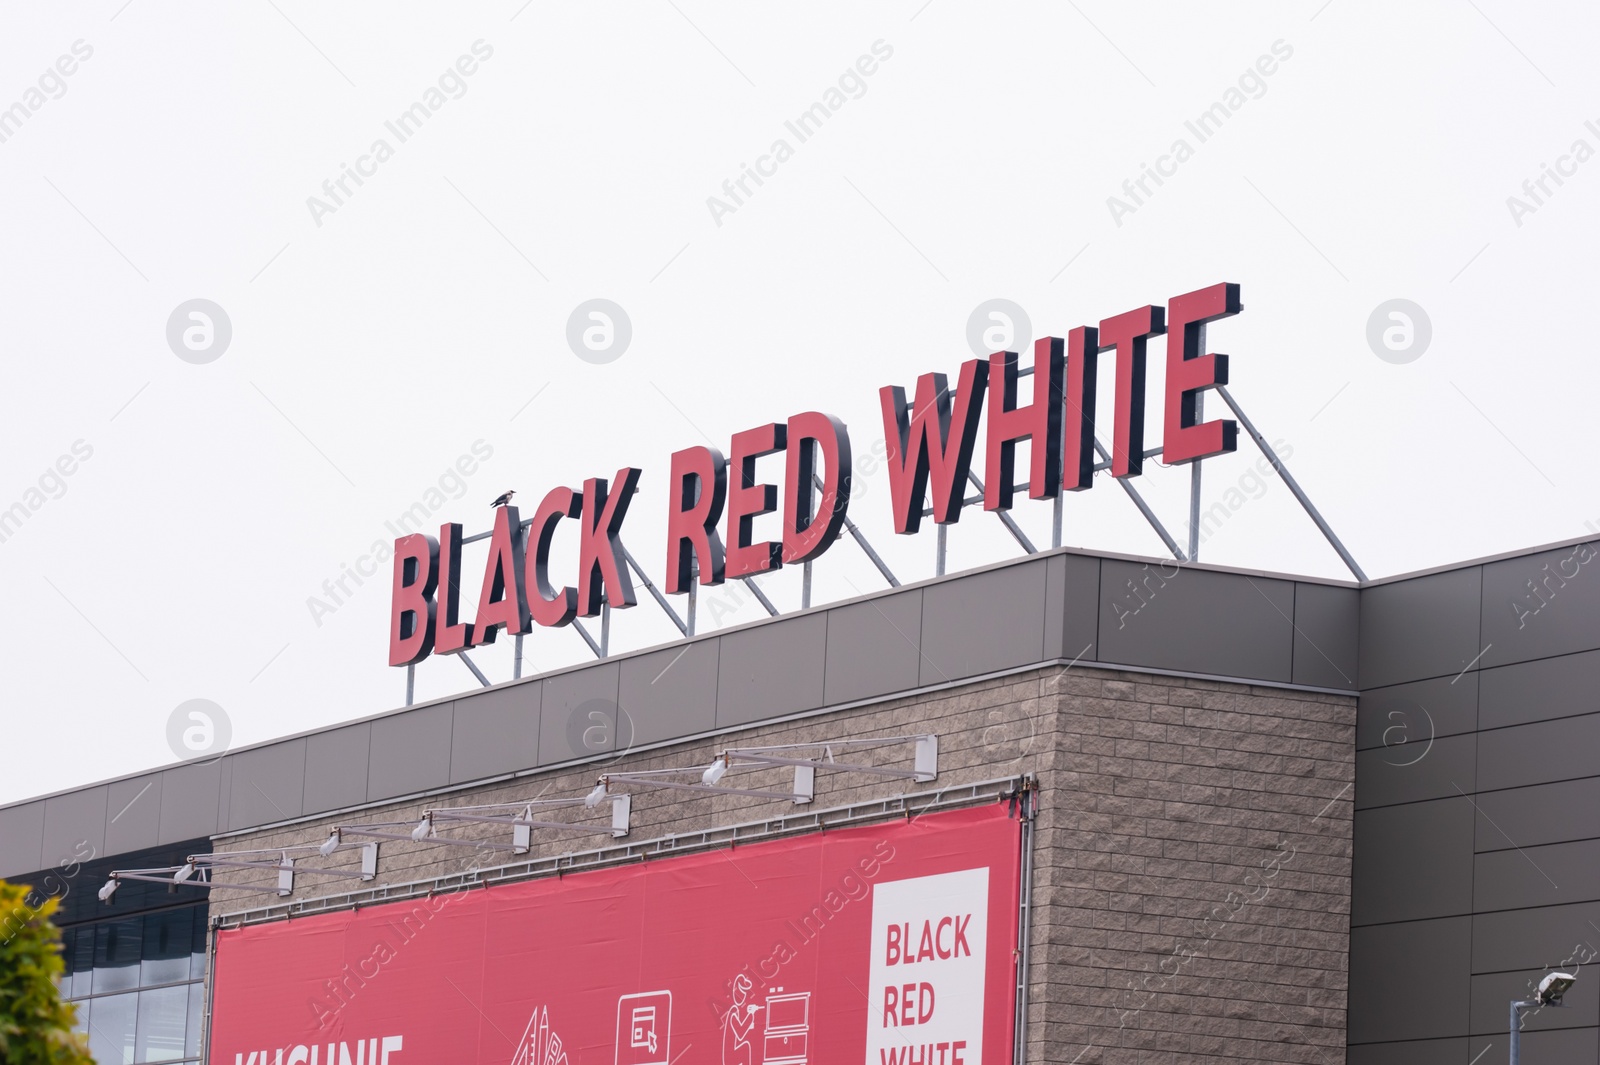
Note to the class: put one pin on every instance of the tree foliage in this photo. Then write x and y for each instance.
(35, 1025)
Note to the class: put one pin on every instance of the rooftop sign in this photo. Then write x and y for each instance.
(931, 442)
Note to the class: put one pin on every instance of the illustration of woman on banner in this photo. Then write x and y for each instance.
(738, 1026)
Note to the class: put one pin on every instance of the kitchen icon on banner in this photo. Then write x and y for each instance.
(644, 1028)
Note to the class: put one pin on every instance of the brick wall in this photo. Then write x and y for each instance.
(1192, 853)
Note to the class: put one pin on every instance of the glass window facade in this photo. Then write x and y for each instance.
(137, 983)
(134, 966)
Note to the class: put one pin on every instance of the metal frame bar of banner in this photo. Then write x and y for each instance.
(685, 624)
(799, 822)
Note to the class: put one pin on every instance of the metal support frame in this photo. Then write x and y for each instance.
(925, 759)
(1144, 508)
(685, 624)
(655, 593)
(761, 597)
(861, 541)
(1288, 479)
(804, 784)
(1006, 519)
(1516, 1028)
(1027, 797)
(894, 807)
(470, 664)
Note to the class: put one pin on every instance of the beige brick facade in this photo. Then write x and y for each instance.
(1192, 851)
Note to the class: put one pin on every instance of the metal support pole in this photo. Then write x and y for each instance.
(655, 593)
(856, 534)
(761, 597)
(605, 629)
(470, 664)
(578, 626)
(1516, 1030)
(1144, 508)
(516, 659)
(411, 682)
(1288, 479)
(694, 592)
(1055, 518)
(938, 557)
(1194, 477)
(1005, 519)
(805, 586)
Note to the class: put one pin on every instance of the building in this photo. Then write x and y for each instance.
(1223, 816)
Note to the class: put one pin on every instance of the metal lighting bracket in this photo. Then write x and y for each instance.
(662, 778)
(200, 869)
(520, 815)
(925, 760)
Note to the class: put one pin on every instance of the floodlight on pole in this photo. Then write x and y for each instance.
(1552, 989)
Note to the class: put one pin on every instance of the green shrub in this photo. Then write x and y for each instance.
(35, 1025)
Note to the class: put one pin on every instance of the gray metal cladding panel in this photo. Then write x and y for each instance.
(336, 767)
(1412, 862)
(266, 784)
(1072, 607)
(1539, 754)
(1527, 939)
(73, 823)
(1544, 813)
(874, 647)
(1537, 876)
(1492, 994)
(579, 715)
(133, 814)
(495, 731)
(772, 669)
(1422, 1052)
(1327, 626)
(191, 798)
(1419, 628)
(669, 693)
(1224, 624)
(410, 752)
(1558, 615)
(1415, 770)
(983, 623)
(1565, 1046)
(1388, 963)
(1444, 706)
(1539, 691)
(22, 839)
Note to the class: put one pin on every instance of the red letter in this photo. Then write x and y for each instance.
(1039, 423)
(804, 536)
(450, 635)
(502, 600)
(416, 572)
(550, 606)
(699, 487)
(921, 450)
(748, 500)
(1083, 360)
(600, 575)
(891, 999)
(1127, 333)
(892, 950)
(1189, 373)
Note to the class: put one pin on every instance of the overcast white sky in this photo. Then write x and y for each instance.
(375, 344)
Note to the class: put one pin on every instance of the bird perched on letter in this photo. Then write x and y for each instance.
(502, 499)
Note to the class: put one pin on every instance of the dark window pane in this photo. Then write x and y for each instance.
(165, 955)
(116, 955)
